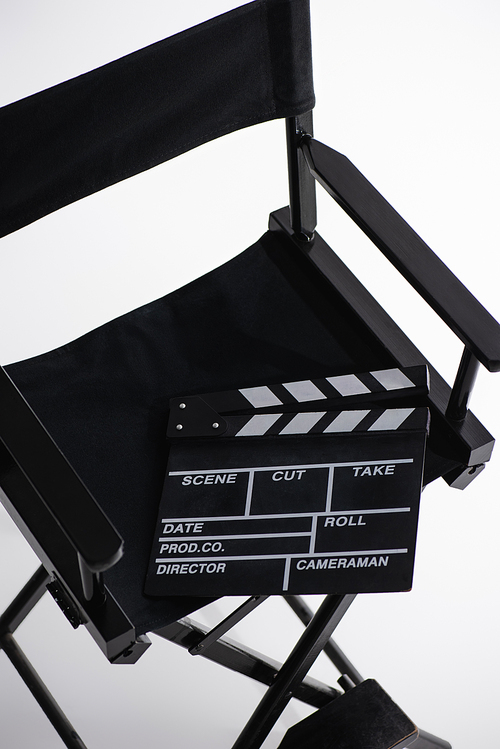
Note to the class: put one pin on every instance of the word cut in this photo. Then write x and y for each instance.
(287, 475)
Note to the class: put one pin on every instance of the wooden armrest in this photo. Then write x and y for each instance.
(414, 259)
(77, 513)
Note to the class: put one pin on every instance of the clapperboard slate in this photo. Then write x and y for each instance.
(301, 487)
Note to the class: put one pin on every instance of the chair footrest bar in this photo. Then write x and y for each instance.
(243, 660)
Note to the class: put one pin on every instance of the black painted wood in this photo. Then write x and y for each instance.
(40, 692)
(232, 655)
(291, 674)
(331, 649)
(45, 467)
(462, 388)
(24, 602)
(302, 186)
(108, 625)
(226, 624)
(468, 440)
(414, 259)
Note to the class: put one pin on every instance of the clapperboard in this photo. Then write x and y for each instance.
(299, 487)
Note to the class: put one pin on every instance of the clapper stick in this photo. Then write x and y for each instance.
(204, 414)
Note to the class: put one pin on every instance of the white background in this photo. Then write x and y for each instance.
(409, 91)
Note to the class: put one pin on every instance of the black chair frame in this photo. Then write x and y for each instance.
(35, 476)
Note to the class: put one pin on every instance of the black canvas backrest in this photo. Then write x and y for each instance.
(247, 66)
(250, 65)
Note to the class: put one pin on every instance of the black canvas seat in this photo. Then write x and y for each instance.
(262, 317)
(83, 428)
(258, 318)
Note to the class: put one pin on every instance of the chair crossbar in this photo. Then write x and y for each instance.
(230, 654)
(226, 624)
(195, 638)
(24, 602)
(331, 649)
(291, 674)
(40, 692)
(10, 620)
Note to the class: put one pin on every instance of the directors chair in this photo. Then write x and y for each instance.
(185, 451)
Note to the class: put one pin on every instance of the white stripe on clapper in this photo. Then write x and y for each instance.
(391, 419)
(258, 425)
(348, 385)
(260, 397)
(346, 421)
(392, 379)
(302, 423)
(304, 390)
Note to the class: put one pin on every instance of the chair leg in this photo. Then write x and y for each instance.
(12, 617)
(332, 650)
(243, 660)
(40, 692)
(25, 601)
(300, 660)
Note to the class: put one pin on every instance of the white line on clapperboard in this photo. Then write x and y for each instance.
(254, 469)
(241, 537)
(279, 516)
(316, 554)
(313, 515)
(291, 468)
(288, 558)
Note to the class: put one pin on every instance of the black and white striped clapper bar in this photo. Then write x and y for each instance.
(299, 487)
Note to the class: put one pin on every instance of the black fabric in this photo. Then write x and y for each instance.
(250, 65)
(264, 317)
(364, 716)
